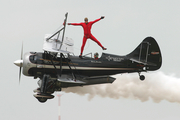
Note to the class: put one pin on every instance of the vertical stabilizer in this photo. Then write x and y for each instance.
(148, 53)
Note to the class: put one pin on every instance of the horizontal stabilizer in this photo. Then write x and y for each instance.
(144, 63)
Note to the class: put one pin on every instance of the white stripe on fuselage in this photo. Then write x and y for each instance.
(86, 68)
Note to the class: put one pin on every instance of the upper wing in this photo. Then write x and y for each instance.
(56, 45)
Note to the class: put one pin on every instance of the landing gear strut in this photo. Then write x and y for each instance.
(42, 95)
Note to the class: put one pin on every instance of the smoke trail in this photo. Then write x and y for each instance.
(157, 86)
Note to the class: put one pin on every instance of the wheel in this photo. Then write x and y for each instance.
(142, 77)
(42, 100)
(43, 97)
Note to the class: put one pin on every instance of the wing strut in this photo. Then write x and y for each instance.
(64, 29)
(58, 32)
(61, 63)
(54, 64)
(69, 67)
(61, 54)
(62, 57)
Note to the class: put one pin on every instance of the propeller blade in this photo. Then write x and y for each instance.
(21, 63)
(20, 74)
(22, 51)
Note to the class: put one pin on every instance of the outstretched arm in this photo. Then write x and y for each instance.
(102, 17)
(74, 23)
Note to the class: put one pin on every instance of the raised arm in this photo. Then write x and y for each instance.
(102, 17)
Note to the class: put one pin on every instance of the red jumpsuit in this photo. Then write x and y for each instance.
(87, 33)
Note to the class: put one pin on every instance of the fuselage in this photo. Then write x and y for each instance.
(38, 64)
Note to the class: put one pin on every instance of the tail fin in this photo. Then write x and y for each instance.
(147, 53)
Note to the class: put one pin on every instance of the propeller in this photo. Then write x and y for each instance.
(19, 63)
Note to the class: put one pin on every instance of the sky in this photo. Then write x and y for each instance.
(125, 25)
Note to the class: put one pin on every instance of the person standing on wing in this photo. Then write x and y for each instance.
(87, 33)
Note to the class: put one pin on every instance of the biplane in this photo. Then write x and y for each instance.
(57, 67)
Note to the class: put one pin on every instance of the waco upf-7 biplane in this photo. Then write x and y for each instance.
(58, 68)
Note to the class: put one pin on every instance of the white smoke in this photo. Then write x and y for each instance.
(157, 86)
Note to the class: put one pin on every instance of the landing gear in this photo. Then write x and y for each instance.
(42, 93)
(141, 77)
(43, 97)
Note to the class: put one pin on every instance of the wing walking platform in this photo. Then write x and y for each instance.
(57, 45)
(54, 43)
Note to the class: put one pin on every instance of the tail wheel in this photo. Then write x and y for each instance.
(142, 77)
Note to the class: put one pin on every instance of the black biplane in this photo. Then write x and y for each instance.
(58, 68)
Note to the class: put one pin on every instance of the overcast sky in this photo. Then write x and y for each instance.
(126, 24)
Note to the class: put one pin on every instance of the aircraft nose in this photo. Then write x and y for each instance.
(19, 63)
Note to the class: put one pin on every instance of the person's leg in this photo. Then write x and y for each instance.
(95, 40)
(83, 44)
